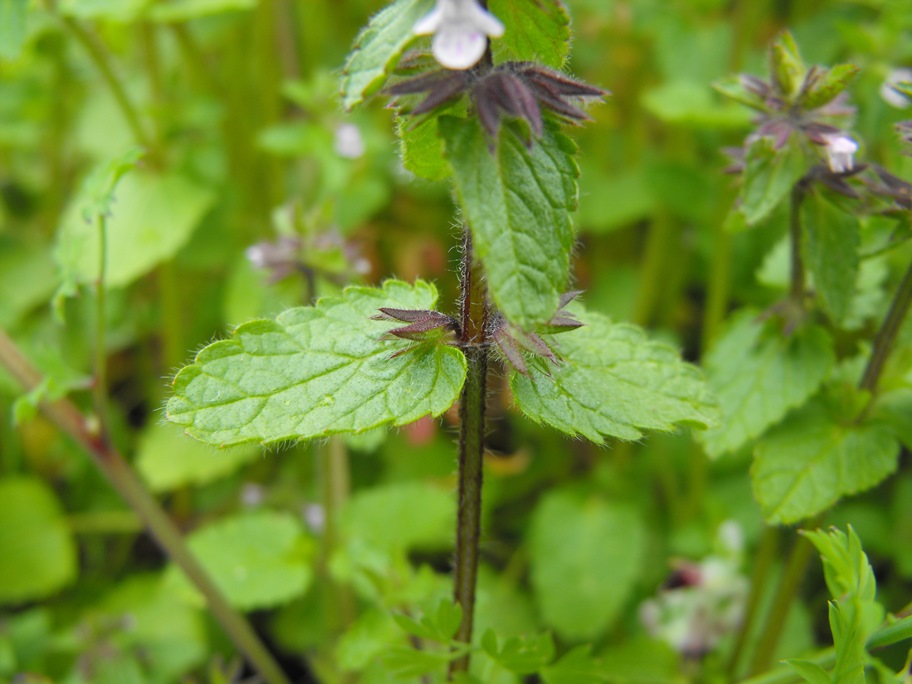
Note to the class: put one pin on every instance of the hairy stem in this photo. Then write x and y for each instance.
(797, 285)
(887, 334)
(68, 418)
(887, 635)
(790, 582)
(473, 340)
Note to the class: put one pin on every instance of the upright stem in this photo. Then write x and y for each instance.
(100, 386)
(473, 340)
(798, 286)
(68, 418)
(796, 566)
(886, 336)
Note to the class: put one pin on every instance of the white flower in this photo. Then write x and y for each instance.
(349, 143)
(890, 95)
(460, 29)
(840, 149)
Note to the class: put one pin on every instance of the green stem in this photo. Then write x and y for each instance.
(718, 288)
(473, 341)
(797, 285)
(794, 572)
(652, 282)
(100, 385)
(886, 635)
(887, 334)
(99, 57)
(105, 522)
(336, 480)
(68, 418)
(763, 561)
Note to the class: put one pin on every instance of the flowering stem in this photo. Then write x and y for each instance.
(473, 341)
(122, 478)
(886, 336)
(798, 287)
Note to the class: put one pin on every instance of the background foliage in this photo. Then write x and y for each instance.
(235, 107)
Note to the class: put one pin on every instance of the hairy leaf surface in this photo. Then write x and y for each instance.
(813, 459)
(534, 31)
(517, 203)
(613, 382)
(378, 47)
(769, 176)
(758, 375)
(316, 371)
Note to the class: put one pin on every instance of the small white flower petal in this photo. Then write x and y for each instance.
(459, 49)
(484, 21)
(430, 22)
(840, 150)
(891, 96)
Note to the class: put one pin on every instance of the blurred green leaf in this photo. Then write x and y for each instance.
(122, 11)
(609, 202)
(167, 460)
(317, 371)
(422, 148)
(534, 31)
(258, 560)
(586, 555)
(403, 515)
(27, 279)
(577, 666)
(13, 20)
(38, 552)
(809, 672)
(769, 176)
(833, 240)
(758, 375)
(378, 47)
(612, 381)
(787, 67)
(517, 202)
(522, 655)
(686, 103)
(816, 457)
(152, 217)
(169, 11)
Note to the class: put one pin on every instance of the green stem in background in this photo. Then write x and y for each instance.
(789, 583)
(887, 635)
(100, 383)
(68, 418)
(763, 562)
(473, 341)
(99, 57)
(655, 261)
(336, 484)
(797, 281)
(887, 334)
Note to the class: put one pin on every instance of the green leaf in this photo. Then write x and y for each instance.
(439, 625)
(769, 176)
(422, 148)
(849, 641)
(733, 88)
(576, 667)
(167, 460)
(402, 515)
(378, 47)
(833, 238)
(534, 31)
(122, 11)
(758, 375)
(13, 29)
(586, 555)
(317, 371)
(828, 84)
(809, 672)
(257, 559)
(152, 218)
(38, 552)
(517, 203)
(612, 381)
(845, 564)
(814, 458)
(522, 655)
